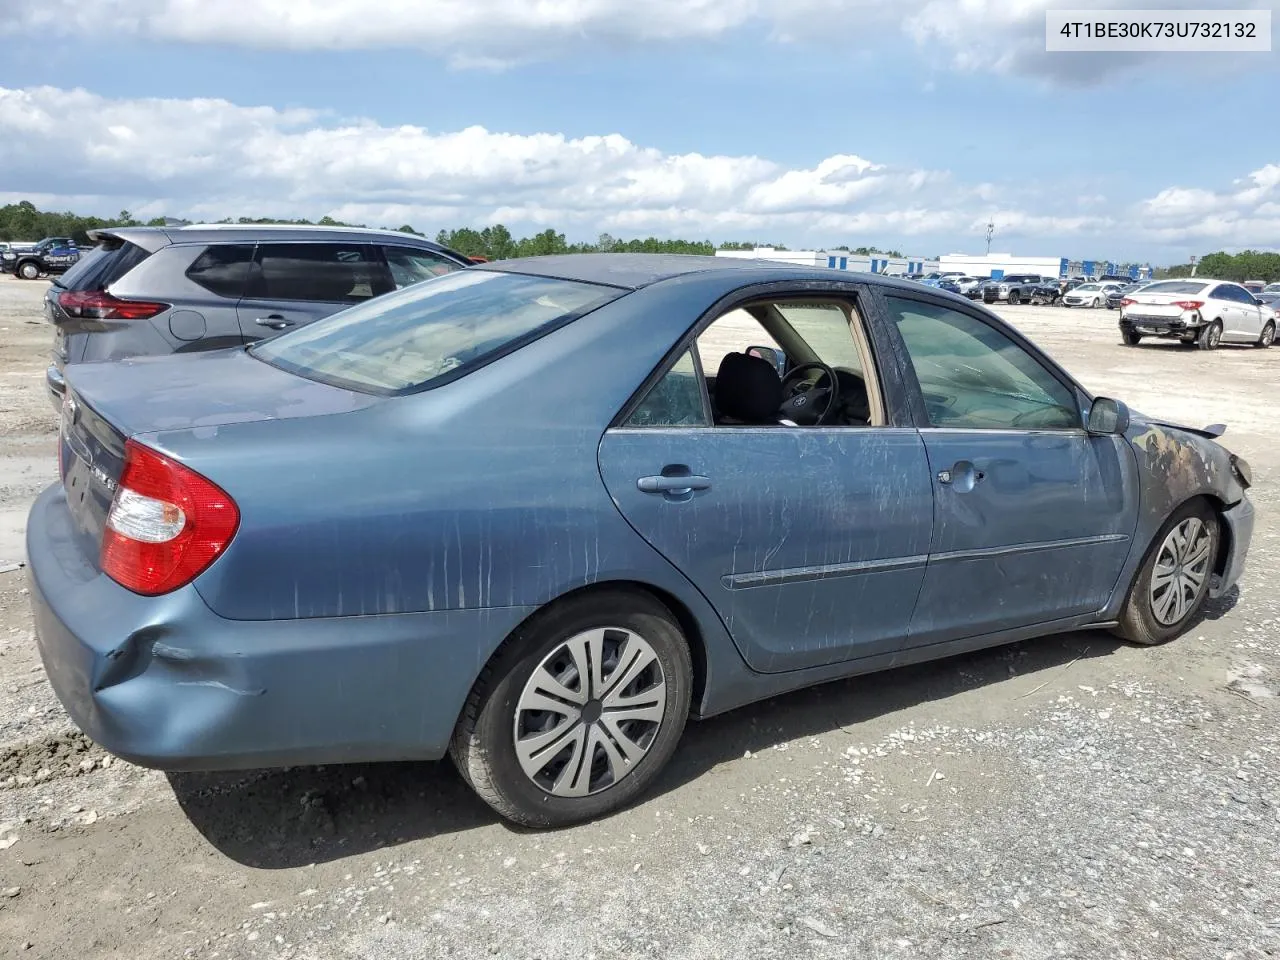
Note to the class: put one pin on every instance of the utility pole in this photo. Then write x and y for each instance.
(1194, 258)
(991, 229)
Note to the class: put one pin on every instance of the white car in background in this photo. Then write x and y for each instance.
(1197, 311)
(1089, 295)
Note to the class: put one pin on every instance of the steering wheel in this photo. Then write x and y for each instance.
(807, 403)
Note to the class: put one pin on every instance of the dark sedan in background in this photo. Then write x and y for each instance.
(459, 518)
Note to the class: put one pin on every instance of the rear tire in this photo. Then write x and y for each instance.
(1180, 563)
(1130, 338)
(1268, 335)
(1210, 336)
(585, 770)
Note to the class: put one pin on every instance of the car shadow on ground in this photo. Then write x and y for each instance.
(275, 819)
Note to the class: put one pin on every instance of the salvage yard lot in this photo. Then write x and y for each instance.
(1067, 797)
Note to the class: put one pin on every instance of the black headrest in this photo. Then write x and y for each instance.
(748, 388)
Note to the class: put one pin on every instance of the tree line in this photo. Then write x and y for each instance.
(23, 221)
(1245, 265)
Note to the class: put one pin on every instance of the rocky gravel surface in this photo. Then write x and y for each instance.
(1066, 798)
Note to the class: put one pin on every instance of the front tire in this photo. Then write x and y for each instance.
(29, 271)
(1173, 581)
(1211, 336)
(1268, 335)
(578, 712)
(1014, 298)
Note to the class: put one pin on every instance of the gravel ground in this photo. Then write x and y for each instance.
(1069, 797)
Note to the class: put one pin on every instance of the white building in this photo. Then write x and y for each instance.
(989, 265)
(837, 260)
(1001, 264)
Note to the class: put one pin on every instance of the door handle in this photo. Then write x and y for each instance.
(674, 485)
(963, 475)
(274, 321)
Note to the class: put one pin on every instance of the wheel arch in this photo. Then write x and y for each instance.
(683, 614)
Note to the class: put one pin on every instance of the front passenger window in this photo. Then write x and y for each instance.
(974, 377)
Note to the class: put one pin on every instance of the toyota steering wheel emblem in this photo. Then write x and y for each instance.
(799, 401)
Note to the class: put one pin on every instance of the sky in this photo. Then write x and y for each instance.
(905, 124)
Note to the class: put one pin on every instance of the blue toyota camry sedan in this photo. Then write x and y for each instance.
(536, 514)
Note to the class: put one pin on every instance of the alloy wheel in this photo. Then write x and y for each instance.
(590, 712)
(1181, 571)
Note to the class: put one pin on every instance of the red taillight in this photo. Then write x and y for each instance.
(1127, 302)
(100, 305)
(1188, 304)
(167, 524)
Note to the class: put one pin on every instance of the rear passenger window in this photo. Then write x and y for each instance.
(675, 400)
(323, 272)
(104, 265)
(223, 269)
(409, 265)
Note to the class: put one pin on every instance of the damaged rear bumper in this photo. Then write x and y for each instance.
(164, 682)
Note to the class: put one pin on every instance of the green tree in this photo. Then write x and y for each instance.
(498, 242)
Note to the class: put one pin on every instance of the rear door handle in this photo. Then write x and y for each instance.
(963, 474)
(274, 321)
(676, 485)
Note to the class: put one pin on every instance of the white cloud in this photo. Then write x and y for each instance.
(209, 158)
(999, 35)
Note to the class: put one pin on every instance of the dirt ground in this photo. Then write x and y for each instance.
(1065, 798)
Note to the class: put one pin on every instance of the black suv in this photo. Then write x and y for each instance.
(51, 256)
(160, 290)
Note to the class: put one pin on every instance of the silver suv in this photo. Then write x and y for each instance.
(145, 291)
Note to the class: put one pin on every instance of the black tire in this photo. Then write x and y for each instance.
(1097, 302)
(1014, 298)
(484, 748)
(1268, 336)
(1130, 338)
(28, 270)
(1139, 622)
(1210, 336)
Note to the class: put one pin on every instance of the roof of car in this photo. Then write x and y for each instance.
(230, 232)
(631, 271)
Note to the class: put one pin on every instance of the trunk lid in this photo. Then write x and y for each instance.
(1163, 305)
(108, 403)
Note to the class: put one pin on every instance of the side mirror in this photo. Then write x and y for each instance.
(773, 355)
(1108, 417)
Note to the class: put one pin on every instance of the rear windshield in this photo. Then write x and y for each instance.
(103, 265)
(431, 332)
(1174, 286)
